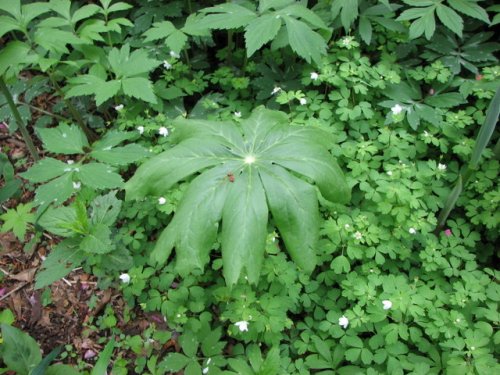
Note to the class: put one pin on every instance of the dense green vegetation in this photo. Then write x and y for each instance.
(282, 187)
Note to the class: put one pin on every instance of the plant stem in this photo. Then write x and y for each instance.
(44, 111)
(189, 6)
(22, 127)
(74, 112)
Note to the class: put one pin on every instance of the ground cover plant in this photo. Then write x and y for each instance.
(249, 187)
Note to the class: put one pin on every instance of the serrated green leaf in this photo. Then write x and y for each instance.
(121, 155)
(176, 41)
(304, 41)
(12, 7)
(17, 220)
(20, 352)
(59, 369)
(450, 19)
(106, 90)
(159, 30)
(57, 190)
(140, 88)
(82, 85)
(59, 221)
(45, 170)
(244, 223)
(111, 139)
(294, 207)
(260, 31)
(84, 12)
(99, 176)
(64, 139)
(226, 16)
(98, 240)
(105, 209)
(126, 64)
(60, 262)
(13, 57)
(175, 362)
(470, 8)
(55, 40)
(446, 100)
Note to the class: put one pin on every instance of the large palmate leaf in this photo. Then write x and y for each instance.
(242, 173)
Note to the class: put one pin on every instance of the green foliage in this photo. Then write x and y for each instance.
(11, 183)
(249, 176)
(17, 220)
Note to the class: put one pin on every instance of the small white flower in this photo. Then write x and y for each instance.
(237, 114)
(243, 325)
(426, 134)
(77, 185)
(397, 109)
(125, 278)
(412, 231)
(174, 54)
(442, 167)
(205, 370)
(343, 321)
(249, 159)
(162, 200)
(119, 107)
(314, 76)
(140, 129)
(389, 173)
(167, 65)
(386, 304)
(346, 41)
(70, 162)
(208, 361)
(163, 131)
(276, 90)
(358, 235)
(303, 101)
(347, 226)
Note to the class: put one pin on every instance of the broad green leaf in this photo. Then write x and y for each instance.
(111, 139)
(45, 170)
(105, 209)
(262, 144)
(226, 16)
(61, 370)
(300, 11)
(62, 259)
(173, 165)
(33, 10)
(64, 139)
(57, 190)
(106, 90)
(12, 7)
(116, 7)
(102, 363)
(121, 155)
(294, 208)
(365, 29)
(198, 216)
(244, 228)
(260, 31)
(140, 88)
(175, 362)
(304, 41)
(99, 176)
(450, 19)
(126, 64)
(470, 8)
(17, 220)
(348, 10)
(13, 57)
(271, 364)
(159, 30)
(83, 85)
(59, 221)
(20, 352)
(176, 41)
(98, 240)
(55, 40)
(8, 24)
(84, 12)
(446, 100)
(340, 265)
(312, 162)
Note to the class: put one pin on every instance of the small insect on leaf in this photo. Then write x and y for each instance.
(230, 176)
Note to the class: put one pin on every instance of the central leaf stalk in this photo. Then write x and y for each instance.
(249, 159)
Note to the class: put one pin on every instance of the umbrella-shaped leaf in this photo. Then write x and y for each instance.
(246, 169)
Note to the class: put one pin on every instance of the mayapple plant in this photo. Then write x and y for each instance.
(244, 170)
